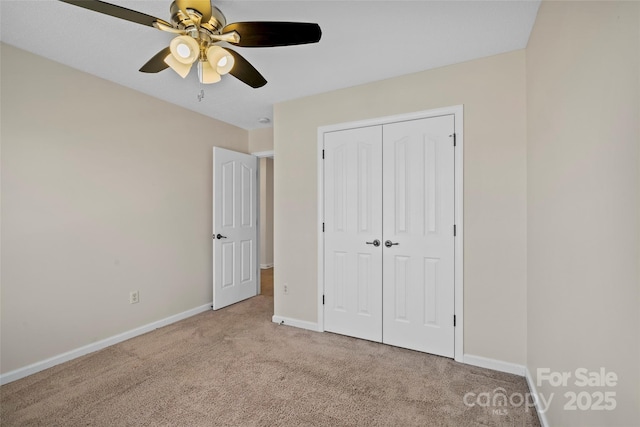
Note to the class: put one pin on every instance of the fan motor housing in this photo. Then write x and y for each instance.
(215, 24)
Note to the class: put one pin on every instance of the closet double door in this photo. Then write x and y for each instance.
(389, 234)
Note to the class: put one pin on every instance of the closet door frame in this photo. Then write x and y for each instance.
(457, 112)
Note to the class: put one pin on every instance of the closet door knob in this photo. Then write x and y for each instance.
(375, 243)
(220, 236)
(388, 243)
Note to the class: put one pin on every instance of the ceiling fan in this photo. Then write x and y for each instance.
(199, 28)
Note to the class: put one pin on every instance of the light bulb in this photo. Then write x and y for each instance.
(220, 59)
(185, 49)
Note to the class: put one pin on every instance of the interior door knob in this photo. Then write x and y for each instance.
(220, 236)
(389, 243)
(375, 243)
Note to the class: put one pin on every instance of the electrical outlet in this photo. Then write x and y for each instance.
(134, 297)
(285, 289)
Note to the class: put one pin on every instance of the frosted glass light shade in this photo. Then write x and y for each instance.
(206, 73)
(185, 49)
(178, 67)
(220, 59)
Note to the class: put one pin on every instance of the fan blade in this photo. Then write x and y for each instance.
(117, 11)
(245, 72)
(157, 64)
(270, 34)
(202, 6)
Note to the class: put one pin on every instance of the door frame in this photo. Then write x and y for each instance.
(457, 111)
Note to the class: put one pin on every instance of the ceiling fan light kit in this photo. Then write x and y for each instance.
(200, 27)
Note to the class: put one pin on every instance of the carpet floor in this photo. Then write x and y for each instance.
(234, 367)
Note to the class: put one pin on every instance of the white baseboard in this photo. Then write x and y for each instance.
(266, 266)
(510, 368)
(312, 326)
(496, 365)
(542, 416)
(98, 345)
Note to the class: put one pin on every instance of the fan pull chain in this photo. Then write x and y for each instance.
(201, 78)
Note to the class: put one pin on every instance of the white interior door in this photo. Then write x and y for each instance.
(353, 222)
(235, 238)
(418, 212)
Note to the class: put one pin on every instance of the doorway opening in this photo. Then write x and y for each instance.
(265, 251)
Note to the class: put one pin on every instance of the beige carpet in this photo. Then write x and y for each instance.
(234, 367)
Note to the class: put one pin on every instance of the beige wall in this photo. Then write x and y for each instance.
(260, 140)
(583, 88)
(100, 196)
(493, 93)
(266, 211)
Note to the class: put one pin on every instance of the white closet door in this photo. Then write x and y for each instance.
(418, 212)
(353, 217)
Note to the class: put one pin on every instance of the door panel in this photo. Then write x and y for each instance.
(226, 266)
(418, 212)
(353, 268)
(235, 262)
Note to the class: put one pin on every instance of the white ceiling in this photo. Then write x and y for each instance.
(362, 41)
